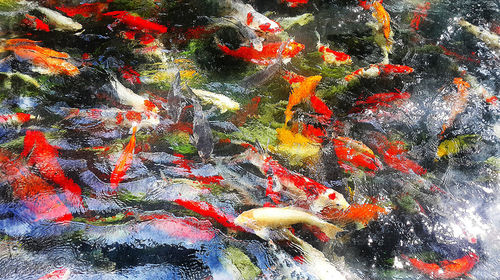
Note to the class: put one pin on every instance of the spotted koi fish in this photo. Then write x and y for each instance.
(376, 70)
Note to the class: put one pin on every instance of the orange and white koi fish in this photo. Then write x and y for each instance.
(127, 97)
(47, 59)
(353, 155)
(460, 102)
(115, 117)
(304, 91)
(60, 274)
(15, 119)
(445, 269)
(268, 55)
(58, 21)
(299, 187)
(361, 213)
(334, 57)
(38, 196)
(382, 29)
(124, 162)
(295, 3)
(376, 70)
(245, 13)
(36, 23)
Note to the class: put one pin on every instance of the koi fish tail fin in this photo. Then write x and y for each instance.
(318, 44)
(330, 230)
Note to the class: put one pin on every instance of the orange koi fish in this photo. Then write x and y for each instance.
(294, 3)
(38, 196)
(315, 195)
(43, 156)
(353, 154)
(208, 210)
(45, 58)
(268, 55)
(136, 23)
(60, 274)
(420, 14)
(293, 78)
(384, 20)
(17, 118)
(376, 70)
(123, 162)
(362, 213)
(303, 92)
(445, 269)
(36, 23)
(374, 102)
(460, 103)
(334, 57)
(85, 10)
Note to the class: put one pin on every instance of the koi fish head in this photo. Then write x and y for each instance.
(246, 220)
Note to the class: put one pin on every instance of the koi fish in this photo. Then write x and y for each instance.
(384, 23)
(202, 137)
(38, 196)
(247, 111)
(43, 156)
(49, 60)
(253, 19)
(129, 98)
(361, 213)
(223, 102)
(114, 117)
(129, 74)
(59, 274)
(460, 102)
(353, 154)
(294, 3)
(321, 108)
(376, 70)
(85, 10)
(420, 14)
(490, 39)
(136, 23)
(304, 91)
(268, 54)
(334, 57)
(378, 100)
(298, 186)
(293, 78)
(208, 210)
(261, 220)
(445, 269)
(124, 162)
(36, 23)
(15, 119)
(60, 22)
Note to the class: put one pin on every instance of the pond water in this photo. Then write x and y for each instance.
(288, 139)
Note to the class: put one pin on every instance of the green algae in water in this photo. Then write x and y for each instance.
(243, 263)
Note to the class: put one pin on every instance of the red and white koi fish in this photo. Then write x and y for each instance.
(60, 274)
(268, 55)
(376, 70)
(303, 189)
(124, 161)
(295, 3)
(36, 23)
(445, 269)
(293, 78)
(116, 117)
(127, 97)
(353, 155)
(334, 57)
(38, 196)
(188, 228)
(208, 210)
(43, 156)
(245, 13)
(137, 24)
(129, 74)
(85, 10)
(15, 119)
(460, 103)
(420, 14)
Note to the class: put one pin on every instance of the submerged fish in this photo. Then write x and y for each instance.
(59, 274)
(202, 137)
(85, 10)
(376, 70)
(36, 23)
(261, 220)
(59, 21)
(223, 102)
(446, 269)
(361, 213)
(490, 39)
(268, 55)
(124, 162)
(303, 92)
(17, 118)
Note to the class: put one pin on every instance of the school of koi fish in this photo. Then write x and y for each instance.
(249, 139)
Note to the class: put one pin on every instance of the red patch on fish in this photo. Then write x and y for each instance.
(295, 3)
(362, 213)
(129, 74)
(85, 10)
(36, 23)
(208, 210)
(420, 14)
(182, 228)
(137, 23)
(268, 54)
(124, 162)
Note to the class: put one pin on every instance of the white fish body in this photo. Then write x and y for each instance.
(222, 102)
(127, 97)
(60, 22)
(490, 39)
(245, 13)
